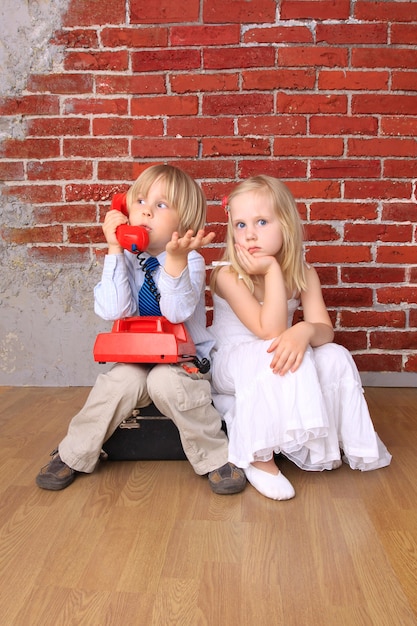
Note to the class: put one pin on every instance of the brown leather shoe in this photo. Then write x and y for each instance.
(56, 474)
(227, 479)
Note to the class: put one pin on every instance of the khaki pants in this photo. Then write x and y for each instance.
(183, 397)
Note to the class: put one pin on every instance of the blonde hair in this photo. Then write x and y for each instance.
(182, 193)
(290, 256)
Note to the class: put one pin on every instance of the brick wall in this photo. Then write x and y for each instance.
(320, 94)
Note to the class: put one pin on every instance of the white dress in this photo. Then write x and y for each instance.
(310, 415)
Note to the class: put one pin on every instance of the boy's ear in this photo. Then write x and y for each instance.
(119, 203)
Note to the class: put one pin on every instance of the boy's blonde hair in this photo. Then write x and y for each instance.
(181, 191)
(290, 257)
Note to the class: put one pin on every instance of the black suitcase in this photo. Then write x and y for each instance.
(146, 435)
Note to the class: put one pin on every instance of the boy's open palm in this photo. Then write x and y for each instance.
(181, 246)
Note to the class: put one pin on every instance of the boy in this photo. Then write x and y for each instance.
(172, 208)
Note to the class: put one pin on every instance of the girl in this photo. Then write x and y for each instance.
(281, 388)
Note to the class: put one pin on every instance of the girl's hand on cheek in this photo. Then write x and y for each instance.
(253, 264)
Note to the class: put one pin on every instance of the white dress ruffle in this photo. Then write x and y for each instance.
(316, 416)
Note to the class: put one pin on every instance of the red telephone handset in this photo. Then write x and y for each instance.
(133, 238)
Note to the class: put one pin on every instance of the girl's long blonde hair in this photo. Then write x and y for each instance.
(290, 257)
(182, 193)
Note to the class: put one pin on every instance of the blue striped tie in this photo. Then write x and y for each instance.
(148, 294)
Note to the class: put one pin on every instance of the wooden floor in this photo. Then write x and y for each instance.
(148, 543)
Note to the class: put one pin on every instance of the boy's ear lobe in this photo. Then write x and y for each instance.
(119, 203)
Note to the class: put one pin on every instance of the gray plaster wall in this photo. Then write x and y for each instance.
(47, 322)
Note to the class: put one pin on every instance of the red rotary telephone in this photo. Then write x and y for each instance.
(132, 238)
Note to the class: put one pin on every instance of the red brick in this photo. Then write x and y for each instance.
(338, 254)
(356, 340)
(311, 103)
(75, 38)
(397, 295)
(353, 80)
(72, 213)
(239, 11)
(59, 170)
(377, 189)
(350, 297)
(272, 125)
(127, 126)
(116, 170)
(393, 340)
(371, 274)
(397, 254)
(343, 210)
(280, 168)
(400, 168)
(92, 148)
(306, 146)
(150, 37)
(399, 211)
(235, 145)
(381, 146)
(200, 126)
(404, 34)
(11, 171)
(372, 318)
(194, 35)
(343, 125)
(165, 105)
(314, 189)
(163, 11)
(183, 83)
(90, 193)
(404, 81)
(384, 10)
(97, 61)
(411, 363)
(278, 34)
(85, 234)
(399, 125)
(57, 126)
(321, 232)
(61, 83)
(385, 104)
(92, 12)
(327, 275)
(165, 60)
(278, 79)
(210, 168)
(313, 10)
(345, 168)
(34, 193)
(38, 234)
(142, 84)
(96, 106)
(379, 232)
(378, 362)
(237, 104)
(230, 58)
(29, 105)
(166, 147)
(352, 33)
(312, 56)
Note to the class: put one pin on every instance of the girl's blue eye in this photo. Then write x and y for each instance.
(262, 222)
(240, 224)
